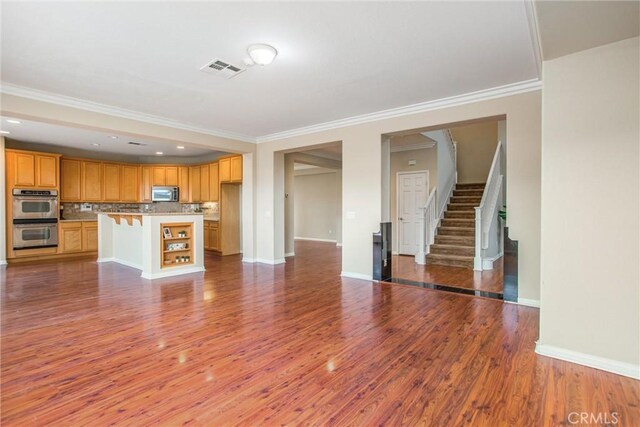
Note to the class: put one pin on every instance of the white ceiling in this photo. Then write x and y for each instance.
(83, 139)
(571, 26)
(336, 59)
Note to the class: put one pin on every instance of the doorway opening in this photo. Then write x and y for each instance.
(446, 199)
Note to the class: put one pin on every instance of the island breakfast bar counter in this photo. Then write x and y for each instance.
(158, 244)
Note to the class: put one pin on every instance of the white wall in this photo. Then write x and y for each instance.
(3, 207)
(590, 308)
(476, 145)
(362, 178)
(316, 203)
(425, 160)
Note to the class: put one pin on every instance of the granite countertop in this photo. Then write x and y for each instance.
(150, 213)
(212, 218)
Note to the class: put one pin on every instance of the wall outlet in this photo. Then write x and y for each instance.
(85, 207)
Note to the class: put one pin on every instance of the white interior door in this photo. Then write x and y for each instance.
(412, 196)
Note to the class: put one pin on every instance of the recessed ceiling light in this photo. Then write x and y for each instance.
(180, 147)
(96, 145)
(5, 132)
(262, 54)
(159, 153)
(113, 137)
(13, 121)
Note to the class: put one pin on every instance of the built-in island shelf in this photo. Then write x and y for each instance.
(176, 239)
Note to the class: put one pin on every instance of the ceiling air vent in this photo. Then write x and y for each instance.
(136, 143)
(222, 68)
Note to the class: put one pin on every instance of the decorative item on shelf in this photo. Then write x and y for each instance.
(184, 259)
(502, 213)
(177, 259)
(166, 232)
(182, 233)
(176, 246)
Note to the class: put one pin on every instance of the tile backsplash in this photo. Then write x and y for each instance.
(88, 210)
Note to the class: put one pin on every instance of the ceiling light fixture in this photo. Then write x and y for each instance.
(4, 132)
(95, 145)
(113, 137)
(159, 153)
(180, 147)
(262, 54)
(13, 121)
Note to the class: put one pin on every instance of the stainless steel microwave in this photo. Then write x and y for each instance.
(165, 194)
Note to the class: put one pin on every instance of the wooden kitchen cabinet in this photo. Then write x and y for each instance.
(214, 236)
(230, 169)
(78, 236)
(70, 237)
(145, 185)
(32, 169)
(111, 182)
(46, 171)
(89, 236)
(171, 176)
(207, 234)
(129, 183)
(159, 175)
(204, 183)
(194, 184)
(70, 177)
(183, 183)
(214, 182)
(91, 181)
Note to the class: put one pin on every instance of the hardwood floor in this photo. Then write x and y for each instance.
(405, 267)
(88, 344)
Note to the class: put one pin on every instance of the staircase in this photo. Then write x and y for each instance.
(455, 239)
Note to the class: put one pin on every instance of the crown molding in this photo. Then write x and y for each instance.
(420, 146)
(481, 95)
(81, 104)
(534, 33)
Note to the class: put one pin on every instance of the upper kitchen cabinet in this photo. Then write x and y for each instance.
(230, 169)
(204, 183)
(159, 176)
(129, 183)
(91, 181)
(183, 183)
(171, 176)
(214, 182)
(194, 184)
(111, 182)
(32, 169)
(70, 177)
(145, 185)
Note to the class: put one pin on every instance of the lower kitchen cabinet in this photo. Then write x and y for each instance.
(77, 236)
(212, 235)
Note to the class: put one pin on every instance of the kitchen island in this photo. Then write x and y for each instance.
(158, 244)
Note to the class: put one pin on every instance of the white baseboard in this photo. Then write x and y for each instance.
(289, 254)
(487, 263)
(529, 302)
(394, 253)
(248, 260)
(339, 245)
(270, 261)
(356, 276)
(597, 362)
(3, 262)
(172, 272)
(311, 239)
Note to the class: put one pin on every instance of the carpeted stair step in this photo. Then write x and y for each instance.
(471, 186)
(458, 222)
(469, 193)
(450, 260)
(459, 199)
(456, 240)
(460, 214)
(456, 231)
(461, 206)
(452, 250)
